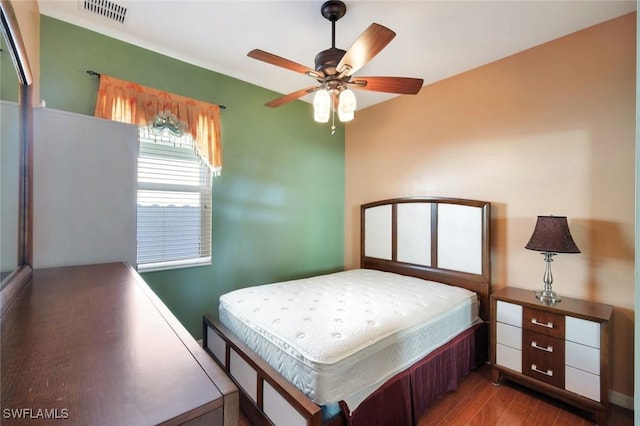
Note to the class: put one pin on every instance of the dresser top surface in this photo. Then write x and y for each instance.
(567, 306)
(94, 341)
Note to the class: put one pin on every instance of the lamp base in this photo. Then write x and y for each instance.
(548, 297)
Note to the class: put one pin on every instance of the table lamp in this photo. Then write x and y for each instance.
(551, 236)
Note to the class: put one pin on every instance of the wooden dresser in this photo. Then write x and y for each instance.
(93, 345)
(563, 350)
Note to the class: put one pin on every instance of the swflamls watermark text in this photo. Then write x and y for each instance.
(35, 413)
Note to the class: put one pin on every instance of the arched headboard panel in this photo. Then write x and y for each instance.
(438, 239)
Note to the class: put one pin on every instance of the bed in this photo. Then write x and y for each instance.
(373, 345)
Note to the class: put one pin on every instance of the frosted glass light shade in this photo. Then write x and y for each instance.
(322, 106)
(347, 105)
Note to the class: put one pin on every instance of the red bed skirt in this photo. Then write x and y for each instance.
(406, 396)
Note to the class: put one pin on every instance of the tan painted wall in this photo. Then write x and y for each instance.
(550, 130)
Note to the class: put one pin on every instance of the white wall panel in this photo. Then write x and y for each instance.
(244, 374)
(217, 345)
(84, 190)
(378, 232)
(460, 238)
(278, 409)
(414, 233)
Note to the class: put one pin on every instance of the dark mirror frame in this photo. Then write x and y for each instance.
(14, 282)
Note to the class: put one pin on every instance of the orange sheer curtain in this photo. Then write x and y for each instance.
(128, 102)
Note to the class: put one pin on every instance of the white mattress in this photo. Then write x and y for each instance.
(340, 336)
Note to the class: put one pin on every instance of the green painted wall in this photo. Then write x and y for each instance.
(8, 74)
(278, 208)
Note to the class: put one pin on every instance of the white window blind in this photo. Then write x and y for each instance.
(173, 207)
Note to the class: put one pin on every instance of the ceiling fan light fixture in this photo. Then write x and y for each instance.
(334, 69)
(346, 105)
(322, 106)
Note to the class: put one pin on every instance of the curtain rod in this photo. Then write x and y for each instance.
(97, 74)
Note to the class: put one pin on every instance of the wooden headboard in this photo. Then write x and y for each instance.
(438, 239)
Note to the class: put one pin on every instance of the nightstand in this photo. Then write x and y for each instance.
(562, 350)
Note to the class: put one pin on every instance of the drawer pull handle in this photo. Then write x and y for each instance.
(534, 321)
(546, 373)
(534, 344)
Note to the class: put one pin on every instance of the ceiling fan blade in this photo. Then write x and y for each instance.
(368, 45)
(291, 97)
(400, 85)
(272, 59)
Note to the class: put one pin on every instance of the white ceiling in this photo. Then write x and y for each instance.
(435, 39)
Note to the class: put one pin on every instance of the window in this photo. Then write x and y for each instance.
(174, 197)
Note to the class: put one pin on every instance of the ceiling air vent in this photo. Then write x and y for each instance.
(106, 9)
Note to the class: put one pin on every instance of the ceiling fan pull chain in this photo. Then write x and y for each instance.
(333, 121)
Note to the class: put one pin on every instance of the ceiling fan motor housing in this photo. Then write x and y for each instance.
(328, 60)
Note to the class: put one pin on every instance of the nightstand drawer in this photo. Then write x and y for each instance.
(582, 383)
(583, 331)
(543, 358)
(541, 343)
(509, 335)
(544, 322)
(509, 313)
(509, 357)
(544, 371)
(583, 357)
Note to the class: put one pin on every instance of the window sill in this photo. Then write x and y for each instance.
(175, 264)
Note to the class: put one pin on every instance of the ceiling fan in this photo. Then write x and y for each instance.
(334, 69)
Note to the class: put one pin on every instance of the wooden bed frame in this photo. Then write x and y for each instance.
(440, 239)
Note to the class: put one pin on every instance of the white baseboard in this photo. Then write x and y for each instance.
(621, 400)
(200, 342)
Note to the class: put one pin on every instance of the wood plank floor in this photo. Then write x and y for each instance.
(479, 403)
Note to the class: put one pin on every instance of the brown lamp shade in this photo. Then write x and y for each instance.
(552, 235)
